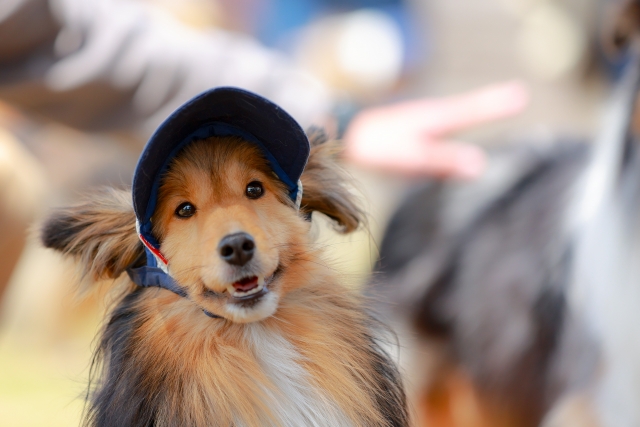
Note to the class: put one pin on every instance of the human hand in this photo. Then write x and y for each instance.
(409, 138)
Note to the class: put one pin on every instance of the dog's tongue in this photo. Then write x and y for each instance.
(246, 284)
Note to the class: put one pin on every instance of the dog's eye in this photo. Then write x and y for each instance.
(254, 190)
(185, 210)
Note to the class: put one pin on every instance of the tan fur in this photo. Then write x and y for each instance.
(452, 400)
(326, 334)
(215, 366)
(322, 320)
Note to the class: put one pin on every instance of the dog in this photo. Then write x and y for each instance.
(231, 317)
(474, 291)
(517, 295)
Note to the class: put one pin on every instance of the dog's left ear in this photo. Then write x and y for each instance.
(325, 185)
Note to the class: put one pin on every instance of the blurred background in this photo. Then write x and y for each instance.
(83, 88)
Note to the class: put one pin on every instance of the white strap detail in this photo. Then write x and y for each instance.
(161, 265)
(299, 195)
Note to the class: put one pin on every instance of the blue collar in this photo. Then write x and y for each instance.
(154, 277)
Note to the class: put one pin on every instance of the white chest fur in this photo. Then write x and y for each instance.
(296, 401)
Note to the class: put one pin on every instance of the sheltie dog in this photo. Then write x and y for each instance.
(289, 345)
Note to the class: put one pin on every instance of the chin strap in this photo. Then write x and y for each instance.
(154, 277)
(156, 273)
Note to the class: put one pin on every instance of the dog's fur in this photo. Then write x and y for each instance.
(305, 354)
(479, 273)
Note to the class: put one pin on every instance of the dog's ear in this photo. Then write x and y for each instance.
(325, 185)
(100, 233)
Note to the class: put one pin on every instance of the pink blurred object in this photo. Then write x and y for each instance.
(409, 138)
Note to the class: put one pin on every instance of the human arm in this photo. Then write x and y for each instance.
(119, 65)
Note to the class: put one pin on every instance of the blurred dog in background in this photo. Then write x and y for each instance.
(518, 295)
(472, 270)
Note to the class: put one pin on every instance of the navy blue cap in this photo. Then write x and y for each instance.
(225, 111)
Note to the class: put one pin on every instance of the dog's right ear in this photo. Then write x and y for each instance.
(326, 185)
(100, 233)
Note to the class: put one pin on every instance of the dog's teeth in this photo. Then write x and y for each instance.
(251, 292)
(261, 281)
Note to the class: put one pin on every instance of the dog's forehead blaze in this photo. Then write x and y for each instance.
(215, 163)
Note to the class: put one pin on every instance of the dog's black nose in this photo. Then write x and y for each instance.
(237, 249)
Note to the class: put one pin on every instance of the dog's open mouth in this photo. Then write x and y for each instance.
(246, 287)
(250, 288)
